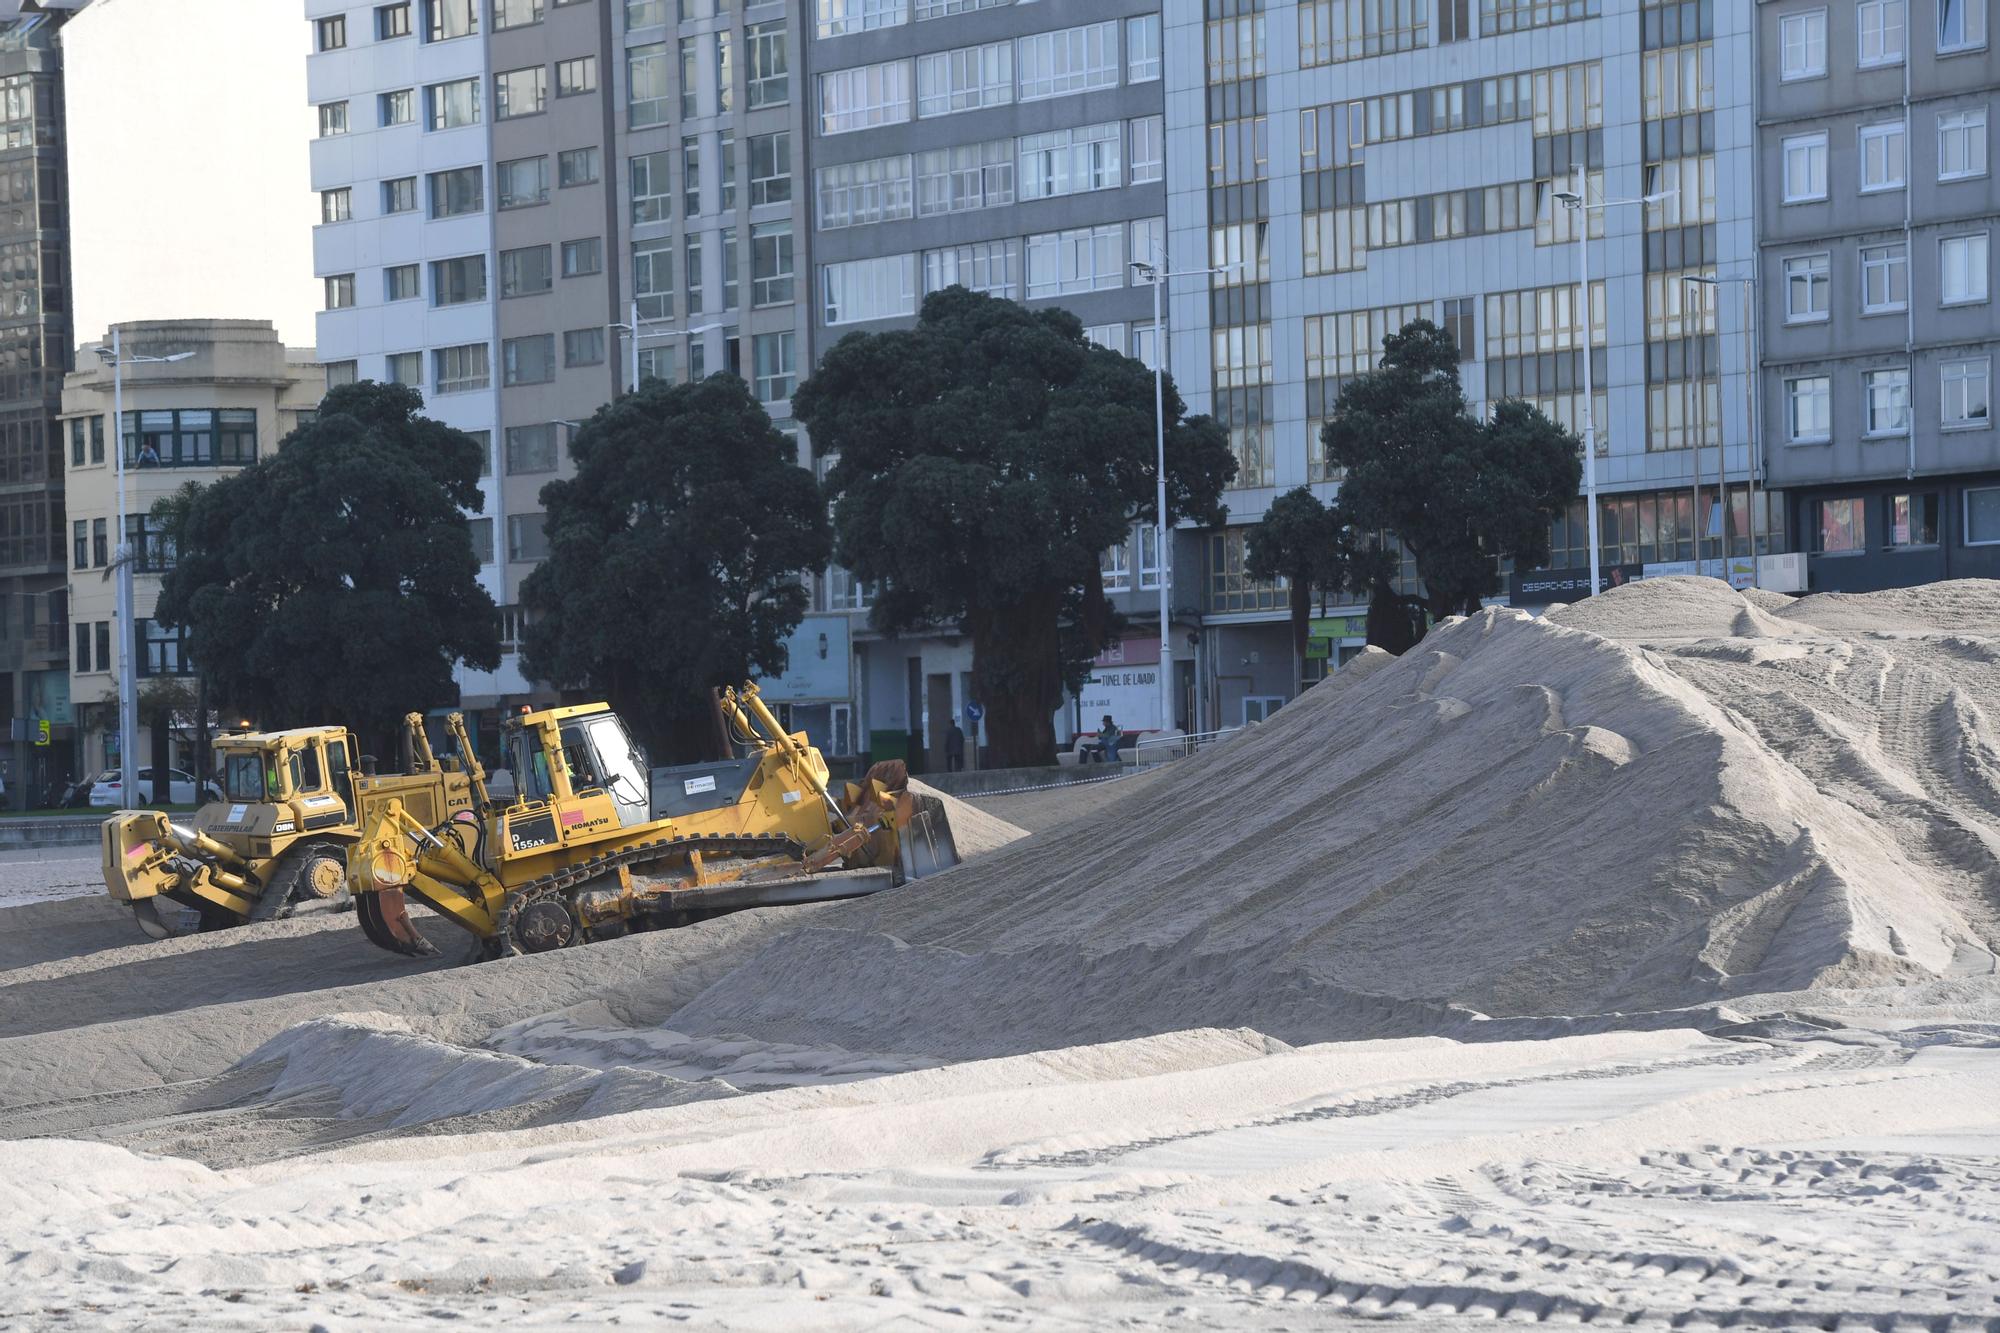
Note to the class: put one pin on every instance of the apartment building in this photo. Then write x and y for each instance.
(34, 351)
(522, 199)
(1879, 210)
(229, 402)
(1015, 149)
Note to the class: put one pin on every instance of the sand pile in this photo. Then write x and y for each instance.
(974, 830)
(1666, 797)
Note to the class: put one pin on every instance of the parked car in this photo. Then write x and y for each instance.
(108, 791)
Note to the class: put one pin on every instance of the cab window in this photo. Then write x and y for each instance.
(243, 777)
(577, 754)
(305, 769)
(531, 765)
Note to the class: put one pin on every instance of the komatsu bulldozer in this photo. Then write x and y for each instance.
(595, 844)
(293, 803)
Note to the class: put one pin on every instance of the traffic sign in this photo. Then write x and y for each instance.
(974, 712)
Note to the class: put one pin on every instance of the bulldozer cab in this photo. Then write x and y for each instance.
(309, 769)
(567, 754)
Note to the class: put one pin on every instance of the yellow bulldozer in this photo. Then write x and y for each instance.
(293, 803)
(595, 844)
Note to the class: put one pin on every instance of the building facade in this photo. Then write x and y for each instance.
(35, 340)
(1879, 208)
(523, 198)
(194, 420)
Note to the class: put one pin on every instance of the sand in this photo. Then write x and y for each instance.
(1632, 963)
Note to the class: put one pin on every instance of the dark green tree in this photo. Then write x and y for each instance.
(1460, 493)
(680, 557)
(1301, 541)
(986, 458)
(334, 581)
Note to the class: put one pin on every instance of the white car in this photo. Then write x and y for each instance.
(108, 791)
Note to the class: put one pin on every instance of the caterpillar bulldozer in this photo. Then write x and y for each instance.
(595, 845)
(293, 803)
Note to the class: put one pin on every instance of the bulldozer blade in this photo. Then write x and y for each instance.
(385, 920)
(925, 845)
(163, 919)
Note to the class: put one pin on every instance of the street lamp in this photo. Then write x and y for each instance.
(637, 329)
(1575, 199)
(128, 668)
(1156, 275)
(1753, 431)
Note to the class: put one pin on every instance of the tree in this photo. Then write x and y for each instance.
(679, 557)
(334, 581)
(986, 458)
(1461, 494)
(1301, 541)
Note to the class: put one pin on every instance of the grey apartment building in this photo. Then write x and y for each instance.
(1878, 212)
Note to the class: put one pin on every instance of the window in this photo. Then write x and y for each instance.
(863, 97)
(657, 363)
(1331, 31)
(531, 449)
(1882, 154)
(1148, 155)
(690, 84)
(453, 104)
(937, 9)
(100, 542)
(80, 536)
(1885, 279)
(648, 77)
(457, 281)
(768, 74)
(728, 246)
(695, 285)
(643, 13)
(399, 195)
(1966, 399)
(575, 77)
(1982, 521)
(520, 92)
(1070, 161)
(584, 256)
(966, 79)
(863, 289)
(392, 21)
(1961, 25)
(1962, 269)
(1460, 315)
(771, 263)
(1961, 144)
(404, 368)
(877, 190)
(1910, 520)
(332, 32)
(161, 652)
(1149, 242)
(523, 182)
(1809, 409)
(461, 369)
(1235, 48)
(844, 16)
(516, 13)
(993, 267)
(402, 282)
(1838, 528)
(336, 205)
(1802, 44)
(1142, 48)
(1805, 168)
(1071, 60)
(770, 169)
(1239, 151)
(651, 189)
(583, 347)
(529, 360)
(576, 166)
(332, 119)
(1888, 401)
(397, 108)
(1808, 284)
(83, 627)
(339, 373)
(525, 272)
(773, 358)
(653, 277)
(481, 532)
(526, 537)
(460, 190)
(1114, 563)
(952, 180)
(1084, 259)
(727, 157)
(1881, 23)
(446, 19)
(1242, 358)
(339, 291)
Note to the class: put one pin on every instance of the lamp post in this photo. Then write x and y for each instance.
(636, 329)
(1575, 199)
(1156, 275)
(128, 667)
(1752, 432)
